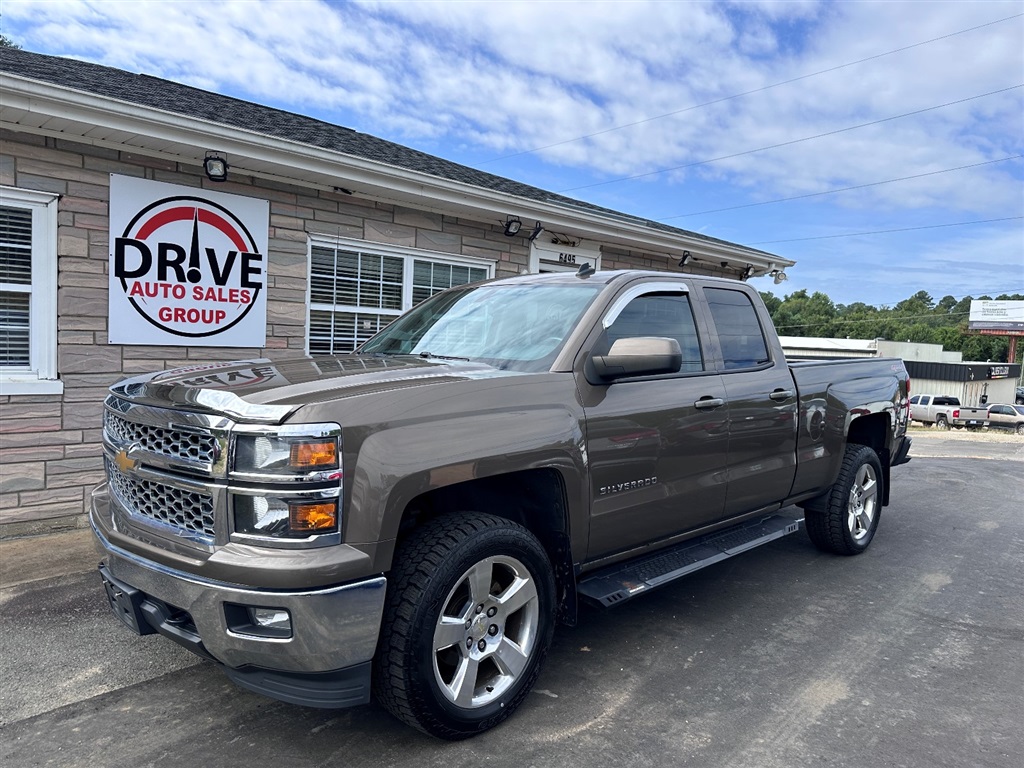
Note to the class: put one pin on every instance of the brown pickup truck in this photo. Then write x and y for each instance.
(414, 519)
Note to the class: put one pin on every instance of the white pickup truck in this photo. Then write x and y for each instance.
(945, 411)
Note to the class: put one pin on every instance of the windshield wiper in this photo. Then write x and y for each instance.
(432, 356)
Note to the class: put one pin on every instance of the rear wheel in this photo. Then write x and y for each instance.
(941, 423)
(845, 519)
(468, 619)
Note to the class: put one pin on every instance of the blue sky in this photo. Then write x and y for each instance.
(685, 96)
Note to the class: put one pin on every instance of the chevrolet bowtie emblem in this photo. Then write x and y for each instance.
(124, 463)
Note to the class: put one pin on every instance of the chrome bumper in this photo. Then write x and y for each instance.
(332, 628)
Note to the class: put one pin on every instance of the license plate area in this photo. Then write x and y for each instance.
(126, 603)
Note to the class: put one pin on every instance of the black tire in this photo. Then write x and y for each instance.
(432, 597)
(941, 423)
(1020, 429)
(844, 520)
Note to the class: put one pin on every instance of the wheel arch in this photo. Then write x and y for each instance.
(536, 499)
(875, 430)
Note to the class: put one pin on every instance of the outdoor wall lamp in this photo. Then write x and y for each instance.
(687, 258)
(216, 167)
(537, 229)
(512, 226)
(779, 276)
(748, 272)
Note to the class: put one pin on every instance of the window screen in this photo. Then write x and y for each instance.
(739, 332)
(430, 277)
(353, 294)
(15, 286)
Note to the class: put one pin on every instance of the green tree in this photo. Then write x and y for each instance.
(803, 315)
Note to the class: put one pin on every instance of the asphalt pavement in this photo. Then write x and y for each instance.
(909, 655)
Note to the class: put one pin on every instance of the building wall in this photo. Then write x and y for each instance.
(50, 453)
(925, 353)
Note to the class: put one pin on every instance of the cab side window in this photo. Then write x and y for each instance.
(663, 315)
(739, 332)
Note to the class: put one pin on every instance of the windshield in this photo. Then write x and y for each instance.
(518, 327)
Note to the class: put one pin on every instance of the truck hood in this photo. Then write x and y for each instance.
(270, 390)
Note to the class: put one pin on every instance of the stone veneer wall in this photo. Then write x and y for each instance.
(50, 453)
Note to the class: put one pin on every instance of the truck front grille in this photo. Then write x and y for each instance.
(195, 447)
(188, 510)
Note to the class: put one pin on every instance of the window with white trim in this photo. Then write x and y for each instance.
(355, 289)
(28, 292)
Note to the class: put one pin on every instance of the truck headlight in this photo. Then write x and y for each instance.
(283, 517)
(285, 454)
(285, 485)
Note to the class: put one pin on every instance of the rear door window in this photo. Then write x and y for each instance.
(739, 331)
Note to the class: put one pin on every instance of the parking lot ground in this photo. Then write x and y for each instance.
(909, 655)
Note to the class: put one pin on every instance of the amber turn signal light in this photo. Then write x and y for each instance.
(312, 455)
(313, 517)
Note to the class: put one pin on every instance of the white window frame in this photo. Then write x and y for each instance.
(40, 377)
(370, 247)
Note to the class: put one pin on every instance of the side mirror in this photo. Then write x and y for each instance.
(639, 356)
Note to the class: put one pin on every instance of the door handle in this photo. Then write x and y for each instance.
(781, 394)
(707, 403)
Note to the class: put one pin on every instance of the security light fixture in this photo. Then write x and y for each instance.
(748, 272)
(537, 229)
(512, 226)
(216, 167)
(780, 276)
(687, 258)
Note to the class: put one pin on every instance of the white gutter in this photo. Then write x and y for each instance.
(340, 169)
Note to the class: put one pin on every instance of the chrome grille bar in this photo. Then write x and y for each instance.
(187, 510)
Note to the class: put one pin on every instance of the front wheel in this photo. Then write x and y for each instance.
(468, 619)
(846, 518)
(1020, 429)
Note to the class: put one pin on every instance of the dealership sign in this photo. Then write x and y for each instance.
(188, 267)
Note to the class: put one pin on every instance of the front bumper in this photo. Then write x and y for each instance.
(325, 662)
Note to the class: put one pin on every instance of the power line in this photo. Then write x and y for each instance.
(882, 307)
(874, 319)
(959, 298)
(792, 141)
(887, 231)
(748, 93)
(839, 189)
